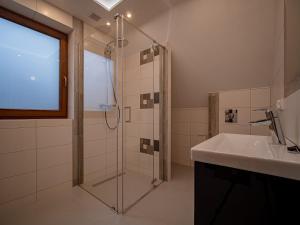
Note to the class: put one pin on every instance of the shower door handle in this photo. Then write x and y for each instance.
(127, 114)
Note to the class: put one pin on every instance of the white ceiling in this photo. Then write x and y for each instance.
(142, 10)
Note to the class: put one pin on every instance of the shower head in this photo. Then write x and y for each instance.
(122, 42)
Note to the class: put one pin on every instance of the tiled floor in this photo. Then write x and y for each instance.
(135, 186)
(170, 204)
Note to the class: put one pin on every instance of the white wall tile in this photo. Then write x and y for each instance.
(234, 98)
(54, 123)
(16, 123)
(132, 74)
(260, 97)
(133, 101)
(181, 155)
(199, 115)
(54, 156)
(17, 163)
(132, 61)
(180, 115)
(53, 136)
(181, 128)
(17, 187)
(187, 125)
(146, 130)
(94, 164)
(260, 130)
(257, 115)
(146, 85)
(18, 139)
(197, 139)
(243, 116)
(235, 129)
(94, 132)
(147, 71)
(53, 176)
(94, 148)
(290, 117)
(132, 129)
(132, 87)
(199, 128)
(180, 140)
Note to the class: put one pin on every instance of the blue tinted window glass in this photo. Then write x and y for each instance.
(98, 82)
(29, 68)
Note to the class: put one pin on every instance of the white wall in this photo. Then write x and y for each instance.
(189, 128)
(217, 45)
(290, 115)
(35, 155)
(246, 101)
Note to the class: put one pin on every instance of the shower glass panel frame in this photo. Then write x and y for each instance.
(140, 133)
(123, 165)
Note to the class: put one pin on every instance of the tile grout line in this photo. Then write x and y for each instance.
(36, 160)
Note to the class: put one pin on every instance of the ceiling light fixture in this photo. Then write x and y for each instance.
(108, 4)
(108, 23)
(128, 15)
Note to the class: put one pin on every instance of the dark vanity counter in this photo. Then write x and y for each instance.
(240, 180)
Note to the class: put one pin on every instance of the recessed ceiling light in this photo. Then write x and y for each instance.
(108, 23)
(128, 15)
(108, 4)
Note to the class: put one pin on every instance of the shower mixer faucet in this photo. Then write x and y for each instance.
(274, 124)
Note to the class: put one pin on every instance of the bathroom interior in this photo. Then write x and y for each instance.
(165, 112)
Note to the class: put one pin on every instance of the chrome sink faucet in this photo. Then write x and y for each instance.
(274, 124)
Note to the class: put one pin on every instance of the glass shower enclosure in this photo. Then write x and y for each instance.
(122, 117)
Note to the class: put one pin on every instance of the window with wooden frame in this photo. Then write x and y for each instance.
(33, 69)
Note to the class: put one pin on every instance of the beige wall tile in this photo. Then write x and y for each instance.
(94, 148)
(17, 187)
(146, 130)
(133, 101)
(235, 98)
(132, 61)
(180, 140)
(199, 128)
(235, 129)
(16, 124)
(54, 123)
(181, 128)
(147, 71)
(94, 132)
(17, 163)
(53, 176)
(53, 136)
(180, 115)
(257, 115)
(18, 139)
(243, 116)
(181, 155)
(260, 97)
(54, 156)
(260, 130)
(197, 139)
(146, 85)
(93, 164)
(199, 115)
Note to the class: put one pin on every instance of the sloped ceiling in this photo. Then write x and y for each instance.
(216, 44)
(143, 10)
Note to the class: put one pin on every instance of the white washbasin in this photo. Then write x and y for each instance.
(248, 152)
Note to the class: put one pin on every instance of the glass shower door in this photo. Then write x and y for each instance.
(100, 121)
(140, 137)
